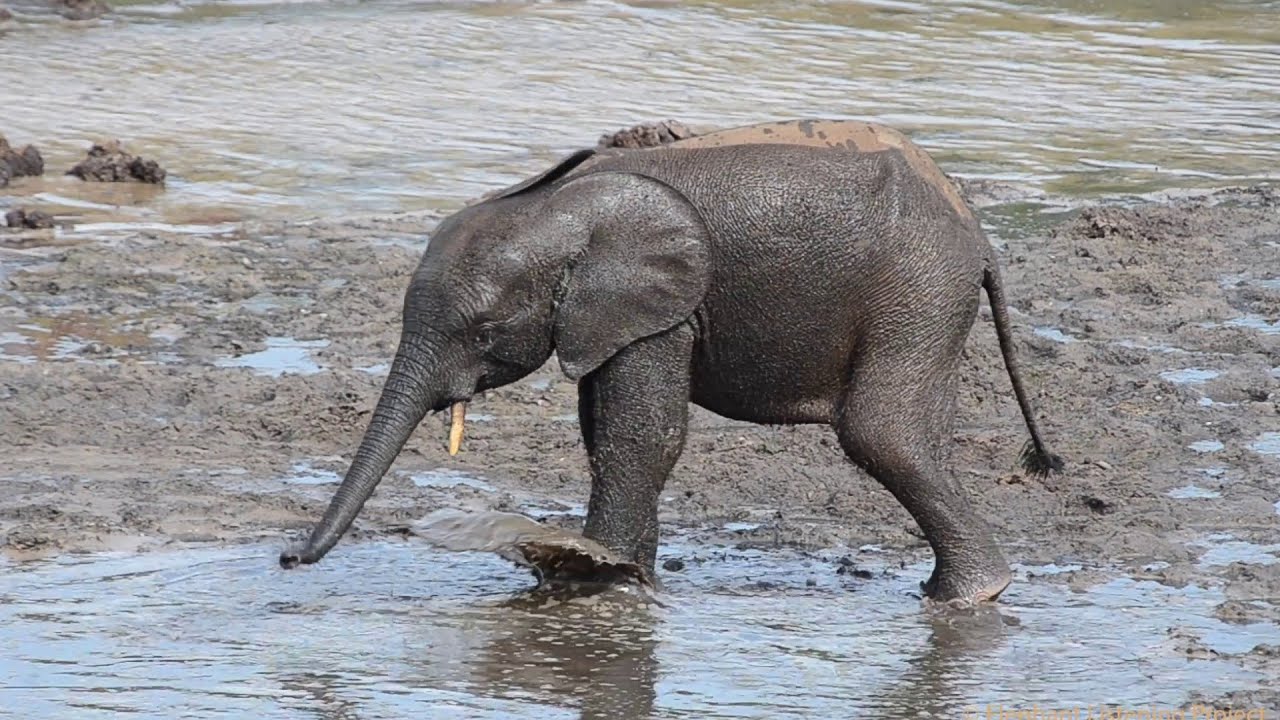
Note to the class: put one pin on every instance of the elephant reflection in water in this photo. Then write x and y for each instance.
(598, 654)
(600, 660)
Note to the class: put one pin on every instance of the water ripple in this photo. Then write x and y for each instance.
(333, 107)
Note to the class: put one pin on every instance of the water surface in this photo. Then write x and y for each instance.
(322, 108)
(383, 630)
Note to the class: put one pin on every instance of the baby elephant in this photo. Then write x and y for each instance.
(812, 271)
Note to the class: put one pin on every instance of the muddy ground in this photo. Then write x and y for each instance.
(127, 424)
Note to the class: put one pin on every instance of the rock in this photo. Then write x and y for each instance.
(646, 135)
(28, 219)
(846, 566)
(109, 162)
(673, 565)
(81, 9)
(17, 163)
(5, 14)
(1100, 505)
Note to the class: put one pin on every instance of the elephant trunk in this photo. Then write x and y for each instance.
(406, 398)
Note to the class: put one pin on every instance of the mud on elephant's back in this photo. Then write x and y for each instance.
(648, 134)
(556, 556)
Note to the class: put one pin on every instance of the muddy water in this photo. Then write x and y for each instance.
(321, 108)
(402, 630)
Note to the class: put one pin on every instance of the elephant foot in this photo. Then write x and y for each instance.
(967, 584)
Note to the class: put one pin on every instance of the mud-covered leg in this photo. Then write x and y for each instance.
(634, 411)
(892, 424)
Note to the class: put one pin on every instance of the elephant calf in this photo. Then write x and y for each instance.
(813, 271)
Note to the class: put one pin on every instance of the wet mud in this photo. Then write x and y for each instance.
(203, 393)
(110, 162)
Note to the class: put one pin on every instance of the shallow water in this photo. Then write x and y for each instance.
(1254, 322)
(1207, 446)
(1191, 376)
(445, 478)
(1267, 444)
(323, 108)
(1055, 335)
(77, 336)
(304, 473)
(400, 630)
(1194, 492)
(282, 355)
(1225, 548)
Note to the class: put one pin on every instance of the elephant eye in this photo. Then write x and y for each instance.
(484, 334)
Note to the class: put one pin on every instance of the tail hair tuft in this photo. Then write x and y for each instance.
(1039, 463)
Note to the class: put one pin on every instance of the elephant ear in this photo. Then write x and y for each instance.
(640, 265)
(550, 175)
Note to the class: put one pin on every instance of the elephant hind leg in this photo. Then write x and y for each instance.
(895, 424)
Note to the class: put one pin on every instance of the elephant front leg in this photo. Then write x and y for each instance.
(634, 412)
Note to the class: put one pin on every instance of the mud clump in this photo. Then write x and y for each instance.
(555, 556)
(647, 135)
(1130, 224)
(27, 219)
(983, 192)
(28, 539)
(644, 135)
(81, 9)
(17, 163)
(109, 162)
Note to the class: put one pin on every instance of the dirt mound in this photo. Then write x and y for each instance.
(81, 9)
(26, 218)
(17, 163)
(109, 162)
(645, 135)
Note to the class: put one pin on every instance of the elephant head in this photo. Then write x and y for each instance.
(576, 263)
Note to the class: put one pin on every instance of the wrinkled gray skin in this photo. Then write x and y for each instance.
(795, 272)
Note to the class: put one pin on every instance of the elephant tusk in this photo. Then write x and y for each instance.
(458, 415)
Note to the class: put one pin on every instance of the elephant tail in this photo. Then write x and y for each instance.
(1036, 458)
